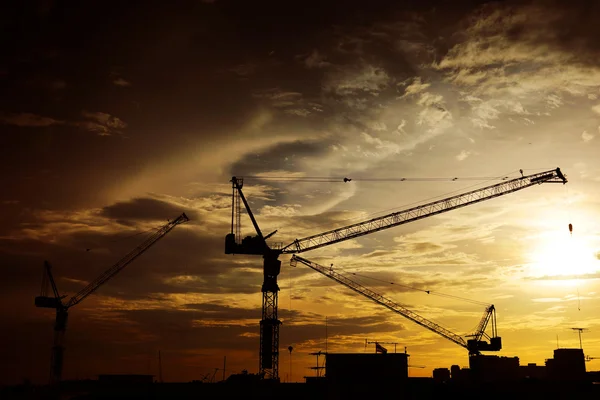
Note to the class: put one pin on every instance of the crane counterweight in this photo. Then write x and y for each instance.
(47, 302)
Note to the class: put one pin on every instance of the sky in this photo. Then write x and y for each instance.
(116, 117)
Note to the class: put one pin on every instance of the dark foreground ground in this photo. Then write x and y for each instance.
(414, 389)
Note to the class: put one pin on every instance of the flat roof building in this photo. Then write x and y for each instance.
(567, 365)
(441, 375)
(485, 368)
(361, 367)
(533, 371)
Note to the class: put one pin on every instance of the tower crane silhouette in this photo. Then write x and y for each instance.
(62, 307)
(257, 245)
(475, 345)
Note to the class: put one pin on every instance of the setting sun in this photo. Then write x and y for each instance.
(559, 254)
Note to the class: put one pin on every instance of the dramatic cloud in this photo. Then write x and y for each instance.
(101, 123)
(586, 137)
(367, 79)
(144, 208)
(507, 57)
(121, 82)
(414, 87)
(316, 60)
(463, 155)
(243, 70)
(29, 120)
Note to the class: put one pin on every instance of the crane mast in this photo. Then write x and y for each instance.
(257, 245)
(269, 323)
(62, 308)
(470, 345)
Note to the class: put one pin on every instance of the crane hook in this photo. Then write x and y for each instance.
(571, 229)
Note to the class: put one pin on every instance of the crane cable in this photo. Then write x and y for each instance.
(418, 289)
(346, 179)
(340, 179)
(136, 234)
(428, 292)
(421, 290)
(444, 195)
(405, 205)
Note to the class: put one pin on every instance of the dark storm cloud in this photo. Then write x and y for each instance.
(187, 263)
(22, 221)
(228, 333)
(144, 208)
(102, 124)
(28, 120)
(319, 223)
(82, 254)
(179, 86)
(217, 310)
(182, 262)
(214, 278)
(280, 157)
(572, 27)
(392, 285)
(314, 330)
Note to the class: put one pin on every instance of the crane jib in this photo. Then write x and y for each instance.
(474, 346)
(420, 212)
(123, 262)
